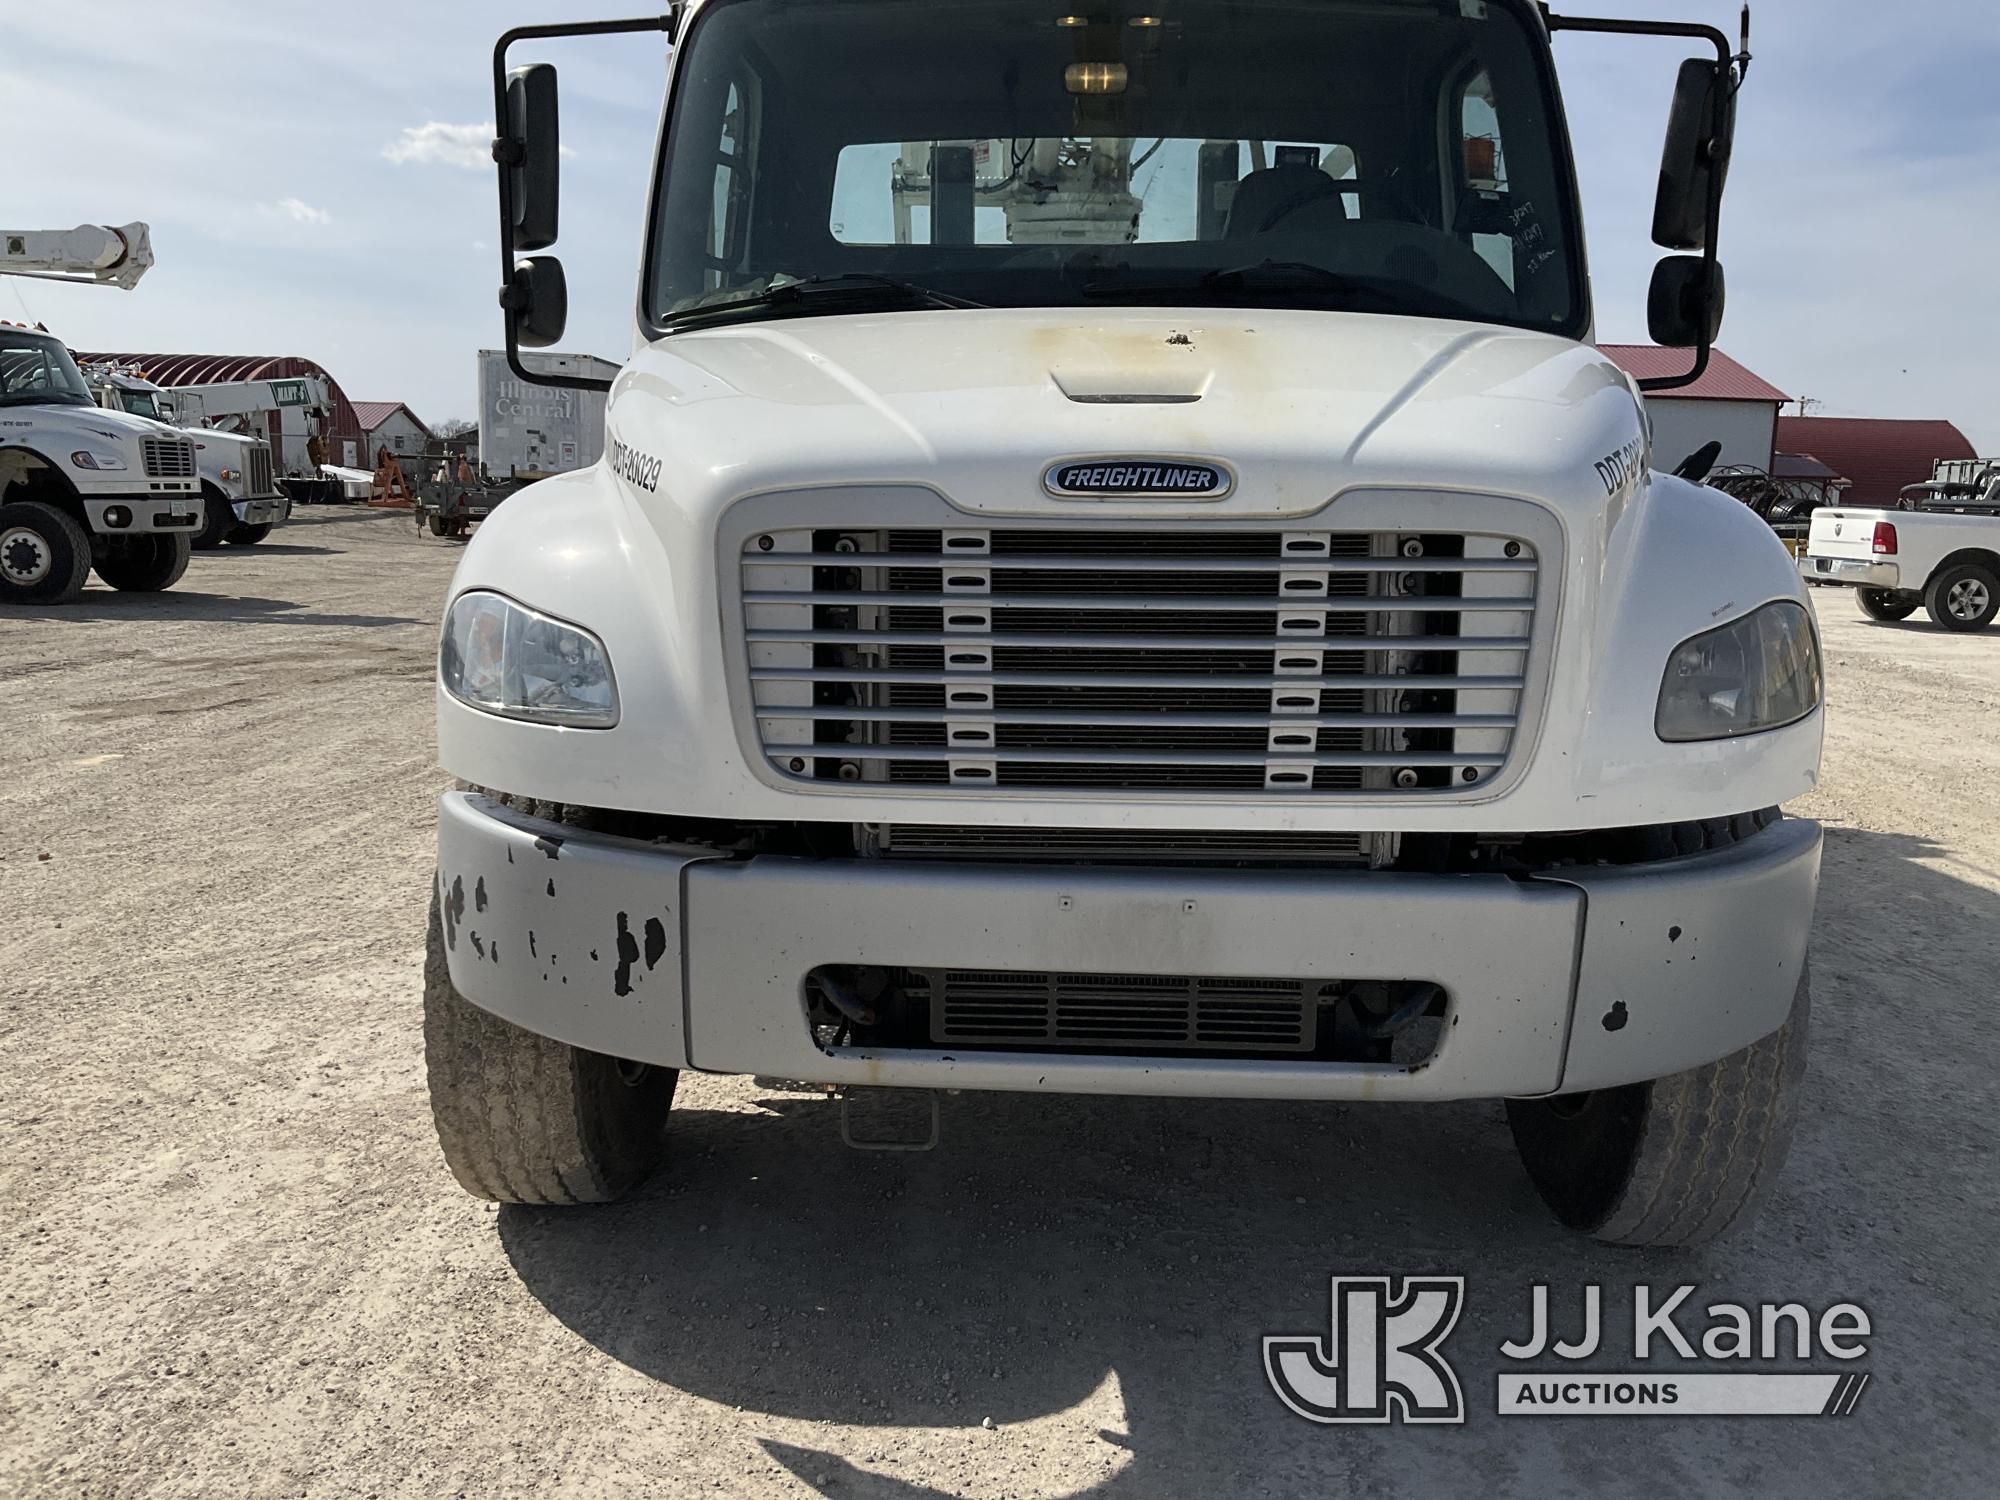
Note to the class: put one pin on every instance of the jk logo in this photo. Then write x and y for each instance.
(1382, 1362)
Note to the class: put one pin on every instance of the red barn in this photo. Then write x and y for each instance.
(1878, 455)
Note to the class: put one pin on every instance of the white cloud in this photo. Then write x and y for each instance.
(298, 211)
(437, 143)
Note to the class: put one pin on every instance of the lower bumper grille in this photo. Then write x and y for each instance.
(1134, 1011)
(1130, 845)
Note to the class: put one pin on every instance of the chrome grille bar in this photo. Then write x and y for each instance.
(1163, 640)
(1227, 604)
(1019, 562)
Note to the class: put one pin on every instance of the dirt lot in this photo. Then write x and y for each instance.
(232, 1262)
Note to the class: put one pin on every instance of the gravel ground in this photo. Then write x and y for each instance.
(232, 1262)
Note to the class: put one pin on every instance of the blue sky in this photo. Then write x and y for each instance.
(319, 186)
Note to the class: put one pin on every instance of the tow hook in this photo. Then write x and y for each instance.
(889, 1119)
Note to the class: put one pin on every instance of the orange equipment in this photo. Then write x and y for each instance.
(389, 492)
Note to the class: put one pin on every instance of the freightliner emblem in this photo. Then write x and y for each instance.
(1137, 479)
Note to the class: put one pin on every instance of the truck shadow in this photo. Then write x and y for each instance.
(187, 604)
(269, 549)
(1104, 1269)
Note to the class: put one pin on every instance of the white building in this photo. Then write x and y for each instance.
(1728, 405)
(391, 425)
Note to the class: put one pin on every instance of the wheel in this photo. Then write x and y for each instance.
(248, 536)
(145, 563)
(524, 1119)
(1887, 604)
(1678, 1161)
(1963, 596)
(44, 554)
(438, 524)
(217, 518)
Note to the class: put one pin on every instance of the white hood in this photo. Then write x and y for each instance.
(49, 427)
(1300, 405)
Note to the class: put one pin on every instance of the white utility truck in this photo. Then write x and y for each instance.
(1117, 568)
(1941, 555)
(82, 488)
(239, 491)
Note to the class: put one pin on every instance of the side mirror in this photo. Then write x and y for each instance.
(1695, 162)
(530, 153)
(1684, 305)
(536, 300)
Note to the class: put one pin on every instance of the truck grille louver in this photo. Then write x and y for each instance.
(1133, 660)
(1176, 1012)
(257, 468)
(168, 458)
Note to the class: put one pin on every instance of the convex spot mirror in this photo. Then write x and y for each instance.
(1684, 305)
(531, 150)
(537, 300)
(1695, 161)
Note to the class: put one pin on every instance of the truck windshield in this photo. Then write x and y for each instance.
(36, 370)
(1370, 155)
(141, 404)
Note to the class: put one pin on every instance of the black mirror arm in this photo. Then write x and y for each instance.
(508, 151)
(1730, 69)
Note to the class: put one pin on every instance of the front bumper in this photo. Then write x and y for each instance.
(1851, 570)
(262, 510)
(673, 955)
(142, 513)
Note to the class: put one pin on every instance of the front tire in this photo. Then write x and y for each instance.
(1678, 1161)
(1887, 604)
(1964, 596)
(44, 554)
(525, 1119)
(145, 563)
(217, 517)
(248, 536)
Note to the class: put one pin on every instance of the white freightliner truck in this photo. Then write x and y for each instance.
(82, 488)
(1165, 599)
(239, 490)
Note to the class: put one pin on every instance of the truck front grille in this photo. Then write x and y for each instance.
(1062, 660)
(1172, 1012)
(168, 458)
(257, 468)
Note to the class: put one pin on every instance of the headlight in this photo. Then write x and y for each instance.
(507, 660)
(229, 476)
(1759, 672)
(90, 458)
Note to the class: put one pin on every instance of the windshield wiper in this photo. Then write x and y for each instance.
(863, 287)
(1299, 276)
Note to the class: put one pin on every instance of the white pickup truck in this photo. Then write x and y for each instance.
(1944, 558)
(1167, 601)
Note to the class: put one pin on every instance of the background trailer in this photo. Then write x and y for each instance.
(539, 429)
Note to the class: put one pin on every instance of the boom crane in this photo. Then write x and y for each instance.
(93, 254)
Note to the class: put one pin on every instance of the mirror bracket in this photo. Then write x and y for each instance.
(509, 151)
(1730, 70)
